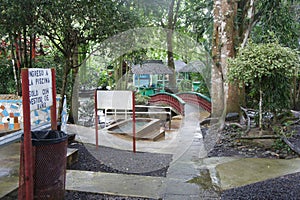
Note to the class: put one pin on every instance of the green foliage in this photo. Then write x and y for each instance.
(198, 20)
(103, 78)
(280, 18)
(279, 144)
(269, 67)
(8, 85)
(141, 99)
(185, 85)
(203, 89)
(17, 14)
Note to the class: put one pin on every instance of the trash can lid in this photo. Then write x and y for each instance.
(46, 137)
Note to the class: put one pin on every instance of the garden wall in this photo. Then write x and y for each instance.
(11, 114)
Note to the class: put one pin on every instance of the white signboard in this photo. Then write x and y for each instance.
(40, 88)
(114, 99)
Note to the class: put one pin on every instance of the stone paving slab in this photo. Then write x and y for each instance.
(115, 184)
(251, 170)
(231, 172)
(180, 188)
(9, 168)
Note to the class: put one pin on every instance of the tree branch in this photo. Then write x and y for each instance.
(176, 13)
(248, 120)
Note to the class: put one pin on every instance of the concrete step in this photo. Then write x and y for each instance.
(117, 184)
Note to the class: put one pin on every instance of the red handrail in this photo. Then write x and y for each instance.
(196, 99)
(169, 99)
(177, 101)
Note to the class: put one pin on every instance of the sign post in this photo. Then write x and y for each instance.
(27, 136)
(38, 91)
(133, 123)
(96, 118)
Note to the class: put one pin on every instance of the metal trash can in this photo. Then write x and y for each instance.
(49, 165)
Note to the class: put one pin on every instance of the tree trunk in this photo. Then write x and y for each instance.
(172, 19)
(225, 96)
(66, 72)
(217, 90)
(15, 66)
(74, 103)
(231, 92)
(260, 108)
(246, 21)
(172, 77)
(73, 113)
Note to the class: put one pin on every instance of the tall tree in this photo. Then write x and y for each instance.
(17, 20)
(174, 15)
(223, 47)
(233, 24)
(72, 24)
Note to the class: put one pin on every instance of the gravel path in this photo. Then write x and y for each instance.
(230, 144)
(106, 159)
(285, 187)
(74, 195)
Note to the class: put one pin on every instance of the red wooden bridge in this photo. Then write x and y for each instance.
(177, 101)
(196, 99)
(165, 98)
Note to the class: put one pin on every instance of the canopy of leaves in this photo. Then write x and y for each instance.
(198, 20)
(280, 18)
(259, 62)
(71, 23)
(269, 67)
(15, 15)
(7, 78)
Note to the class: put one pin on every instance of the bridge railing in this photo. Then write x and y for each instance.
(169, 99)
(196, 99)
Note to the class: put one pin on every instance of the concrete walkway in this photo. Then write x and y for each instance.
(189, 160)
(183, 167)
(184, 178)
(186, 146)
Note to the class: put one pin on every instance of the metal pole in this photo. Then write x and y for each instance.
(133, 121)
(96, 118)
(27, 137)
